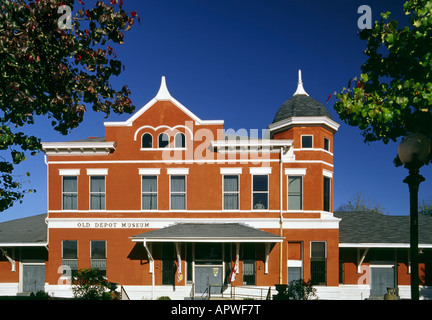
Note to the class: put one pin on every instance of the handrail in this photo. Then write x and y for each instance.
(123, 294)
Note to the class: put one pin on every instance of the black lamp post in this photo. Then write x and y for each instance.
(413, 151)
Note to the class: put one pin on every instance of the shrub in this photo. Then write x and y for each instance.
(89, 284)
(300, 290)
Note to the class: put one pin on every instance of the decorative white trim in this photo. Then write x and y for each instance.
(77, 148)
(162, 95)
(179, 171)
(312, 149)
(304, 121)
(327, 174)
(295, 172)
(97, 172)
(231, 170)
(295, 263)
(143, 223)
(69, 172)
(160, 127)
(381, 245)
(259, 170)
(149, 171)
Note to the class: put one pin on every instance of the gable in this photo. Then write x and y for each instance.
(163, 95)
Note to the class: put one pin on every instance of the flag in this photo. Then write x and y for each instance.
(234, 271)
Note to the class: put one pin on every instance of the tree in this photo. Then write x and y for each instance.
(425, 208)
(55, 65)
(393, 95)
(359, 203)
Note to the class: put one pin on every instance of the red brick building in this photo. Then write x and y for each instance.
(167, 204)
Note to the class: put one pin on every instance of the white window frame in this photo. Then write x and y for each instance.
(178, 172)
(231, 192)
(295, 172)
(261, 192)
(150, 172)
(329, 146)
(301, 141)
(62, 193)
(96, 172)
(152, 141)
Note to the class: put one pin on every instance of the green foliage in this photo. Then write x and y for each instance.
(425, 208)
(360, 203)
(393, 95)
(296, 290)
(55, 72)
(89, 284)
(301, 290)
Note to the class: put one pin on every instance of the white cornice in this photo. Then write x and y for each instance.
(295, 121)
(78, 148)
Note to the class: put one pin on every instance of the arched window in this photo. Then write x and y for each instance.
(163, 140)
(147, 141)
(180, 140)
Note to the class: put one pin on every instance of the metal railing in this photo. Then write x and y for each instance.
(238, 293)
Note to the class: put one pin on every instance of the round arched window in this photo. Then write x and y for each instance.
(180, 140)
(163, 140)
(147, 141)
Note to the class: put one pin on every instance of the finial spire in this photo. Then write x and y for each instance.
(300, 89)
(163, 93)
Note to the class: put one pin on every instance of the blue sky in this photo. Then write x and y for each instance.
(237, 60)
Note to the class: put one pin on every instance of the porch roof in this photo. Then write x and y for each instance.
(207, 232)
(25, 232)
(367, 229)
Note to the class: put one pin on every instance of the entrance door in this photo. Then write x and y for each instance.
(381, 279)
(33, 278)
(208, 276)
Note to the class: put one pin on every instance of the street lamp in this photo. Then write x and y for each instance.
(413, 152)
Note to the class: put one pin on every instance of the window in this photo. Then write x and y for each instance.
(97, 193)
(149, 193)
(69, 257)
(295, 193)
(147, 141)
(327, 193)
(327, 144)
(178, 192)
(70, 193)
(179, 140)
(231, 192)
(318, 263)
(295, 261)
(163, 140)
(307, 141)
(98, 256)
(260, 192)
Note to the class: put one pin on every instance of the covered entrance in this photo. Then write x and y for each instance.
(211, 252)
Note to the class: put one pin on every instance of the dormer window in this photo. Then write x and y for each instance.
(147, 141)
(163, 140)
(179, 140)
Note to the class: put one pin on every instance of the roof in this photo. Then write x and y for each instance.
(374, 229)
(301, 105)
(30, 231)
(207, 232)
